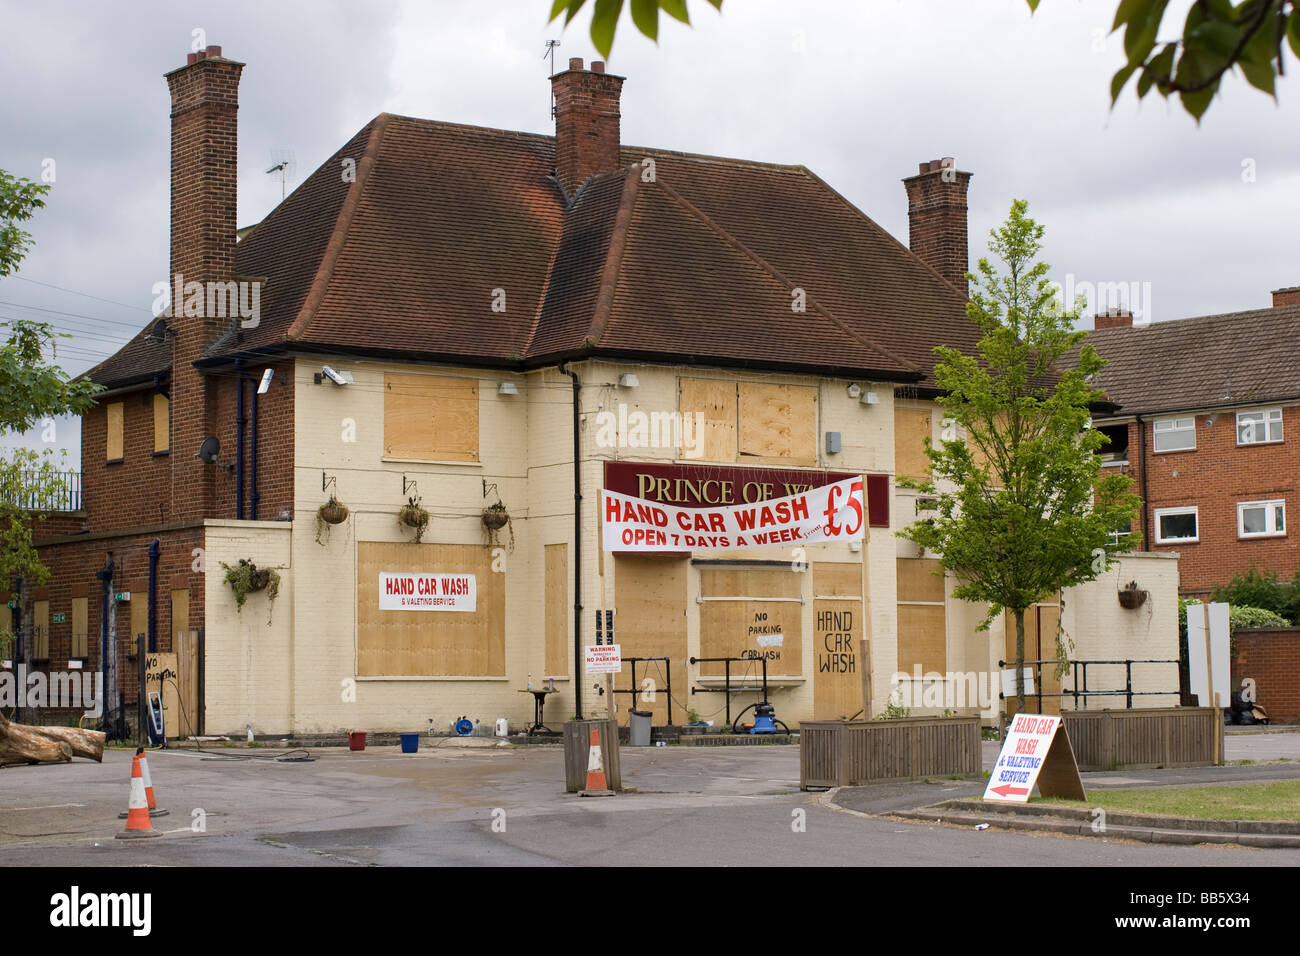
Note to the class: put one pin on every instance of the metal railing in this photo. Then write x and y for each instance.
(1079, 677)
(49, 491)
(634, 690)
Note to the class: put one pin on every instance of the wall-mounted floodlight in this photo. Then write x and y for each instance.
(507, 388)
(338, 378)
(629, 380)
(870, 398)
(264, 386)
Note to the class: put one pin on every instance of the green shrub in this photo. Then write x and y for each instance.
(1262, 589)
(1239, 617)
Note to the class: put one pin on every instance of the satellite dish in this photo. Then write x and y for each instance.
(208, 450)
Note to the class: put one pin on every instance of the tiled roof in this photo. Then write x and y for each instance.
(1232, 359)
(699, 265)
(455, 243)
(137, 361)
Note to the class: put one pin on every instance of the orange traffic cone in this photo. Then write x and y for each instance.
(148, 788)
(137, 808)
(596, 786)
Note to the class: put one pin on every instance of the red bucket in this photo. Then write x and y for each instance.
(357, 740)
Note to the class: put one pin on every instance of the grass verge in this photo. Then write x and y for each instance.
(1247, 801)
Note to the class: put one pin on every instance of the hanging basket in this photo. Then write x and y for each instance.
(414, 516)
(1131, 596)
(258, 579)
(495, 517)
(332, 512)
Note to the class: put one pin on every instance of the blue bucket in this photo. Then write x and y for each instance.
(410, 743)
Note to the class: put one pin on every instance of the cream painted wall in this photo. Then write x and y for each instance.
(291, 675)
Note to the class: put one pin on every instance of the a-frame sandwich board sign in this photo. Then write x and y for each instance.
(1036, 751)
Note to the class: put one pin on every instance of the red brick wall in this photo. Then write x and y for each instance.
(274, 440)
(135, 491)
(73, 565)
(1272, 660)
(1215, 477)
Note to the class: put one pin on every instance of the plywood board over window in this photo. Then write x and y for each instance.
(743, 611)
(161, 423)
(80, 635)
(41, 630)
(113, 445)
(837, 640)
(778, 423)
(922, 623)
(559, 643)
(650, 621)
(430, 643)
(139, 618)
(912, 426)
(430, 419)
(715, 404)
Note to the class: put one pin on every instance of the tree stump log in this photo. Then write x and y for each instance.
(20, 743)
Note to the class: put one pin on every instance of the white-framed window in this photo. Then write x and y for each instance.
(1259, 427)
(1175, 434)
(1261, 519)
(1176, 525)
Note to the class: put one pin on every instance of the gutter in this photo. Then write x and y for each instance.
(577, 549)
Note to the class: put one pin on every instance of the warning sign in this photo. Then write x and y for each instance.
(603, 659)
(1036, 751)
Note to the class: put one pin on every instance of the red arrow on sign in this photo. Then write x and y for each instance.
(1007, 790)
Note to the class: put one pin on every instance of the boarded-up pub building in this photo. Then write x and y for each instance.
(460, 316)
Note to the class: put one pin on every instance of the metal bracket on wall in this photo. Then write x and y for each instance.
(490, 487)
(408, 485)
(328, 481)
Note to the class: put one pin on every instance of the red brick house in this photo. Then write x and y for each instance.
(1208, 424)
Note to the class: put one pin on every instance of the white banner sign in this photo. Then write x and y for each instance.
(427, 592)
(834, 512)
(604, 659)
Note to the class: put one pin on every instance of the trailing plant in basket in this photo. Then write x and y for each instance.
(327, 515)
(414, 516)
(247, 578)
(496, 517)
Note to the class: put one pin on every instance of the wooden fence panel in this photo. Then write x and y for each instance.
(1144, 738)
(836, 753)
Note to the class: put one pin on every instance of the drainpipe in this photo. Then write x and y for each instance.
(18, 650)
(239, 441)
(577, 550)
(154, 552)
(253, 495)
(1142, 463)
(107, 693)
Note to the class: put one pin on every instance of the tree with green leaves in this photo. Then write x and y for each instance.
(1021, 508)
(32, 388)
(1217, 36)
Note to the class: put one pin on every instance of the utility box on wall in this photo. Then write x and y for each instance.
(832, 443)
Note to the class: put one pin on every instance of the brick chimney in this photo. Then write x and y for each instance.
(205, 104)
(586, 122)
(1113, 319)
(936, 217)
(1289, 296)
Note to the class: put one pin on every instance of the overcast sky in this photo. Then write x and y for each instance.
(859, 92)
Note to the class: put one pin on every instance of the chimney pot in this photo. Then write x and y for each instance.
(597, 66)
(575, 63)
(191, 59)
(214, 51)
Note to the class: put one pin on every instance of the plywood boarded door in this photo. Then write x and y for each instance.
(184, 643)
(922, 624)
(559, 644)
(650, 621)
(837, 640)
(1041, 624)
